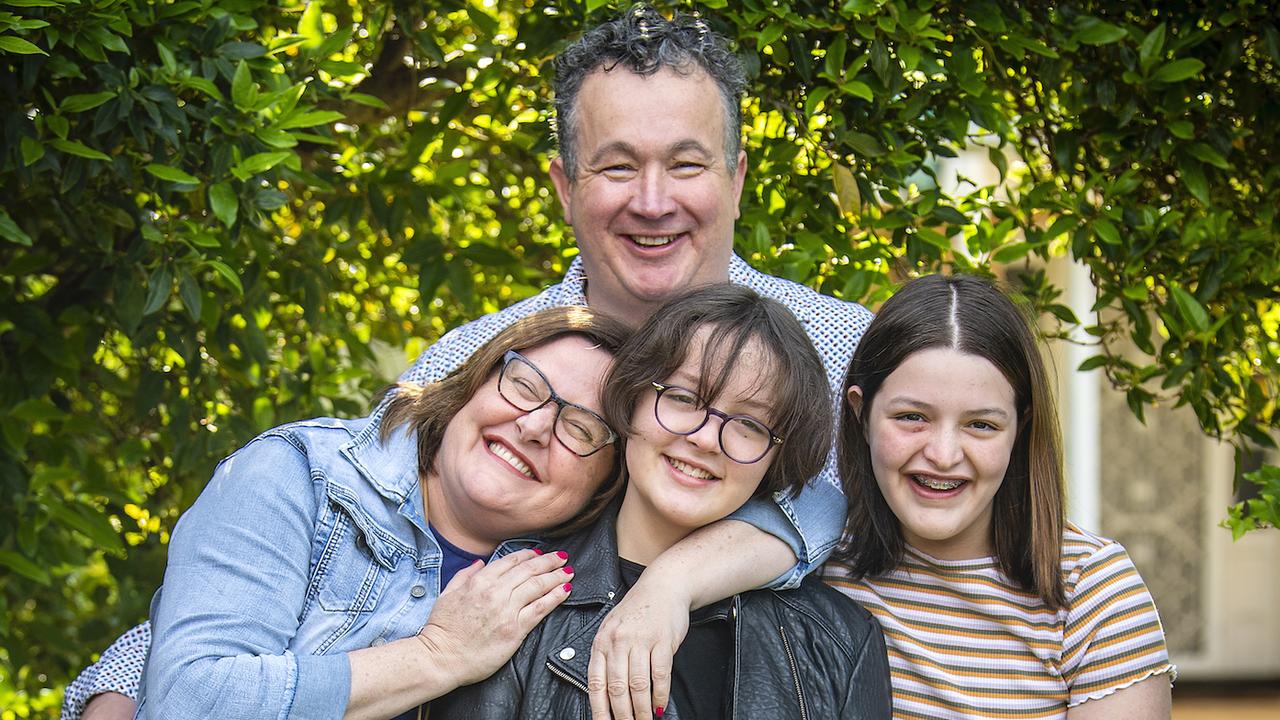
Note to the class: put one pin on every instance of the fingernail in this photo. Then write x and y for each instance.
(562, 555)
(657, 712)
(568, 569)
(537, 551)
(568, 587)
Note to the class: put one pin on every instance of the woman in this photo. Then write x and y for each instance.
(304, 580)
(720, 397)
(991, 603)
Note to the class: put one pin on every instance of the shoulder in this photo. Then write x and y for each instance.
(822, 607)
(1088, 556)
(807, 303)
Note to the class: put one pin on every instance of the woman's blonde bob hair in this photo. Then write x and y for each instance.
(428, 409)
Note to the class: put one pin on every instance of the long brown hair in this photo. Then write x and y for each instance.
(428, 409)
(971, 316)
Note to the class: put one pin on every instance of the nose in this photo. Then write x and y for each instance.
(707, 437)
(536, 426)
(652, 196)
(944, 449)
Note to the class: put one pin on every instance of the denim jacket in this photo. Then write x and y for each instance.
(307, 543)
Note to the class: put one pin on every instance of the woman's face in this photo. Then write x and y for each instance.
(941, 430)
(500, 472)
(678, 483)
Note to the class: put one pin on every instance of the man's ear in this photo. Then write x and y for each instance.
(739, 177)
(560, 179)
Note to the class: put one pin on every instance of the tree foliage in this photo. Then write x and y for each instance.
(219, 215)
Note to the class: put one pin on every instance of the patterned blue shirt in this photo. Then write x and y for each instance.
(810, 523)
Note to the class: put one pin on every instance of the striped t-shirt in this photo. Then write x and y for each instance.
(964, 642)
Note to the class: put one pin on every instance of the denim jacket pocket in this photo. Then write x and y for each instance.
(353, 557)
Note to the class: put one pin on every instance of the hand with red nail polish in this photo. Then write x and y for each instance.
(487, 610)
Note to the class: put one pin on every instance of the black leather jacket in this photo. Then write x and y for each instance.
(804, 654)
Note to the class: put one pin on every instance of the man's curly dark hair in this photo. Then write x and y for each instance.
(644, 42)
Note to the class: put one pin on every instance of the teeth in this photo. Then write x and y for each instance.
(690, 470)
(653, 241)
(936, 484)
(512, 460)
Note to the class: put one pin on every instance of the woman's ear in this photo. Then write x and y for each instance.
(853, 396)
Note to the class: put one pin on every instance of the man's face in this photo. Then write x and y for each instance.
(654, 201)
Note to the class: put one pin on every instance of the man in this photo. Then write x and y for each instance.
(649, 175)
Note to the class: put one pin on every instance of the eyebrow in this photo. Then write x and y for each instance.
(921, 405)
(690, 381)
(623, 147)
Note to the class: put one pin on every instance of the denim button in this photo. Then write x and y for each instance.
(378, 642)
(418, 591)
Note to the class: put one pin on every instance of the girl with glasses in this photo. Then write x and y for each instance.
(718, 398)
(993, 605)
(306, 579)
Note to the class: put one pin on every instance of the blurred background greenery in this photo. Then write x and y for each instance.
(220, 215)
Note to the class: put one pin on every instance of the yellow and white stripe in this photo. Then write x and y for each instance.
(965, 642)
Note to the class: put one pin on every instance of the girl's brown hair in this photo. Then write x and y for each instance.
(971, 316)
(734, 316)
(428, 410)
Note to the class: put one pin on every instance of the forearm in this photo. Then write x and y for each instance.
(248, 687)
(387, 680)
(1149, 699)
(104, 689)
(719, 561)
(809, 524)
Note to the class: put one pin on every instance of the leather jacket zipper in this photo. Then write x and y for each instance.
(563, 676)
(795, 673)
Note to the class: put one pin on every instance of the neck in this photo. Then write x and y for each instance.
(441, 516)
(643, 533)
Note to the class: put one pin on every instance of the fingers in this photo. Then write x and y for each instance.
(598, 686)
(638, 683)
(660, 664)
(534, 611)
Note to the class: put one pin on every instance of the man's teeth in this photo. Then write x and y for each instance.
(653, 240)
(512, 460)
(690, 470)
(936, 483)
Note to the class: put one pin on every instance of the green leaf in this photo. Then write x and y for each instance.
(1209, 155)
(10, 231)
(308, 119)
(172, 174)
(1177, 70)
(189, 291)
(94, 526)
(1092, 31)
(848, 196)
(80, 103)
(369, 100)
(1095, 361)
(857, 88)
(593, 5)
(23, 566)
(159, 287)
(275, 138)
(166, 57)
(243, 92)
(226, 272)
(204, 85)
(75, 147)
(1190, 309)
(311, 24)
(1192, 175)
(1106, 231)
(1182, 129)
(259, 163)
(1151, 47)
(32, 150)
(18, 46)
(225, 204)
